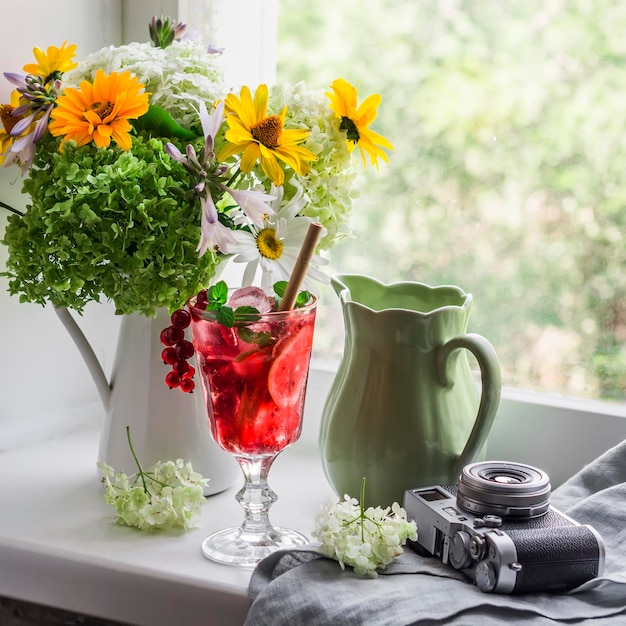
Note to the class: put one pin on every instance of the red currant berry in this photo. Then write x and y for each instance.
(190, 372)
(184, 349)
(164, 336)
(180, 367)
(173, 335)
(169, 356)
(202, 299)
(172, 380)
(187, 385)
(181, 318)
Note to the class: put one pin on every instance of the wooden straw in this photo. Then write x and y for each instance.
(301, 266)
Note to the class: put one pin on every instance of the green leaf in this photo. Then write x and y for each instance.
(249, 312)
(159, 122)
(226, 316)
(303, 298)
(261, 339)
(280, 287)
(218, 292)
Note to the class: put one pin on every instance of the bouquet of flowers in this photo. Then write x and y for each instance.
(145, 176)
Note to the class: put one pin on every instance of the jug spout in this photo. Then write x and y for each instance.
(89, 356)
(338, 283)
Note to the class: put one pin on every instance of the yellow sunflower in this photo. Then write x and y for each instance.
(356, 120)
(255, 134)
(7, 122)
(100, 111)
(53, 62)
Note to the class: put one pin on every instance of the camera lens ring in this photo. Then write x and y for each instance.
(504, 488)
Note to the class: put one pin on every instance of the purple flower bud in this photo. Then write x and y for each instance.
(22, 125)
(41, 126)
(18, 80)
(174, 152)
(21, 110)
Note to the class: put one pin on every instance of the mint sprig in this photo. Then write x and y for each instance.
(241, 317)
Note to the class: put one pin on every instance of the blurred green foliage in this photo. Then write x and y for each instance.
(507, 177)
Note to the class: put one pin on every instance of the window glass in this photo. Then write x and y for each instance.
(507, 177)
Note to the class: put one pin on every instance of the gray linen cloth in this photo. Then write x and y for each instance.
(304, 587)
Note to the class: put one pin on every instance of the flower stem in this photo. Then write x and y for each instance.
(362, 503)
(10, 208)
(234, 177)
(132, 451)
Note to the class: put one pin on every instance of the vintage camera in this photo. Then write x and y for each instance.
(497, 527)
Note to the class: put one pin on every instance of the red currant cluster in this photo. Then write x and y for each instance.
(177, 351)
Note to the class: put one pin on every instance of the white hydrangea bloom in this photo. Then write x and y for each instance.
(365, 539)
(177, 77)
(168, 495)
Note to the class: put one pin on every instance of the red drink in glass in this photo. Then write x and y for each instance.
(253, 379)
(255, 390)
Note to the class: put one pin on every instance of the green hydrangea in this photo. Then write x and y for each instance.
(105, 223)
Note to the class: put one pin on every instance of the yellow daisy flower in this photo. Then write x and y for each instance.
(100, 111)
(52, 62)
(259, 136)
(355, 121)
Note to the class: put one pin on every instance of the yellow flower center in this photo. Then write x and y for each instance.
(102, 109)
(268, 131)
(267, 243)
(8, 120)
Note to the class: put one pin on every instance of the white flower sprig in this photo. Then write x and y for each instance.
(166, 496)
(366, 539)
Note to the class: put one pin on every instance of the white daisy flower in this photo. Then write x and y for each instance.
(274, 246)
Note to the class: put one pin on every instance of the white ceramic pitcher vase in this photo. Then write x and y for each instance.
(165, 424)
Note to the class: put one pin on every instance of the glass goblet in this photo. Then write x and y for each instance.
(253, 378)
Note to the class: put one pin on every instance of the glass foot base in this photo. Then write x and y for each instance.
(234, 547)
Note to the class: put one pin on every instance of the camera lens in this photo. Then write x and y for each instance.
(510, 490)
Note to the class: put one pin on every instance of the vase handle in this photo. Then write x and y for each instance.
(490, 376)
(89, 356)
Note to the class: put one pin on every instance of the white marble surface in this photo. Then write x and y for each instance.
(59, 545)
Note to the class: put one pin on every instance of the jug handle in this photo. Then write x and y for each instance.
(89, 356)
(490, 376)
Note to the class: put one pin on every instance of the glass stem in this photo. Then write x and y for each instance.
(256, 498)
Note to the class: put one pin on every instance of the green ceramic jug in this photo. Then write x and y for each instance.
(404, 409)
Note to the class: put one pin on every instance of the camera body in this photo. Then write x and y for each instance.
(498, 528)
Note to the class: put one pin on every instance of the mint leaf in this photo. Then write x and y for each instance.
(249, 312)
(218, 293)
(280, 287)
(225, 316)
(302, 298)
(261, 339)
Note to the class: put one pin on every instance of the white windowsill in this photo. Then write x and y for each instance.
(60, 547)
